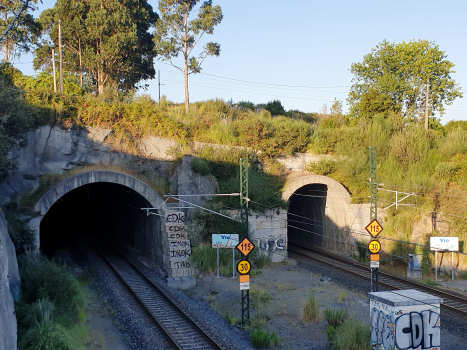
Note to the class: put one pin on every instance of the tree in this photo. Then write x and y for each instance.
(176, 34)
(106, 39)
(408, 78)
(275, 107)
(18, 29)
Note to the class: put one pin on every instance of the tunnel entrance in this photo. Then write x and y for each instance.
(306, 215)
(106, 210)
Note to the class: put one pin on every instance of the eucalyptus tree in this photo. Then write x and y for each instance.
(109, 40)
(409, 78)
(18, 30)
(177, 32)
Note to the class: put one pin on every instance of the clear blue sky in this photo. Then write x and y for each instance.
(312, 44)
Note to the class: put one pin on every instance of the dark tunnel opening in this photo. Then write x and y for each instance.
(109, 211)
(306, 215)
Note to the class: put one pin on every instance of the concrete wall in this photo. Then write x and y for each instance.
(9, 288)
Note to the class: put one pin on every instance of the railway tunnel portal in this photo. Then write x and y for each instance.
(319, 213)
(100, 203)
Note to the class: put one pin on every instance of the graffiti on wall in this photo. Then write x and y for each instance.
(180, 252)
(172, 218)
(271, 243)
(180, 264)
(404, 330)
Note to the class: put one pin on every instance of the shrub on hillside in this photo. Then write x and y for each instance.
(42, 278)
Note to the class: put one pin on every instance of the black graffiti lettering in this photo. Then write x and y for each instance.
(177, 236)
(176, 218)
(175, 244)
(180, 253)
(174, 228)
(181, 264)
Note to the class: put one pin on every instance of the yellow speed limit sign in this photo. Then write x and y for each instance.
(243, 267)
(374, 247)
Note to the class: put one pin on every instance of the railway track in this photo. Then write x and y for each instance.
(181, 332)
(451, 302)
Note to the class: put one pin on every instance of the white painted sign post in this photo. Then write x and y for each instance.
(444, 244)
(225, 241)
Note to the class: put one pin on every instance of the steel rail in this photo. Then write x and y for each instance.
(451, 302)
(169, 333)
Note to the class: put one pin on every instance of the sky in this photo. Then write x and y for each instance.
(300, 51)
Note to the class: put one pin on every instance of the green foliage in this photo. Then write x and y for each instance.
(335, 317)
(275, 108)
(246, 105)
(17, 117)
(42, 332)
(324, 166)
(310, 310)
(231, 320)
(109, 41)
(200, 166)
(17, 27)
(444, 172)
(331, 333)
(455, 143)
(41, 278)
(204, 257)
(21, 235)
(351, 335)
(262, 339)
(455, 124)
(393, 77)
(177, 33)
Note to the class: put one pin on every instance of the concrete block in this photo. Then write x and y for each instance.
(414, 316)
(174, 282)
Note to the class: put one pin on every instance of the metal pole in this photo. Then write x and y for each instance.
(217, 262)
(244, 231)
(233, 262)
(159, 83)
(436, 263)
(373, 206)
(452, 265)
(53, 70)
(60, 72)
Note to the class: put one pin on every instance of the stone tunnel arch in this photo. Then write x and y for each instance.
(319, 213)
(146, 229)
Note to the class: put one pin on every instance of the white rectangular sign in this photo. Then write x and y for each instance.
(374, 264)
(224, 240)
(444, 243)
(244, 285)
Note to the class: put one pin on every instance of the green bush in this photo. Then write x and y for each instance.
(455, 143)
(352, 335)
(204, 257)
(42, 332)
(42, 278)
(262, 339)
(324, 166)
(200, 166)
(444, 172)
(335, 317)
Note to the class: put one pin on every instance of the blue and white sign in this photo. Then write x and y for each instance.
(444, 243)
(224, 240)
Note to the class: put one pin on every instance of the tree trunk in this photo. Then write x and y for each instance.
(80, 64)
(187, 102)
(185, 48)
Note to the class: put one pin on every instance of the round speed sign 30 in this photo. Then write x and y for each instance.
(243, 267)
(374, 246)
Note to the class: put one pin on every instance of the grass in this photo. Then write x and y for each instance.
(261, 339)
(231, 320)
(259, 295)
(352, 335)
(341, 297)
(429, 281)
(335, 317)
(310, 310)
